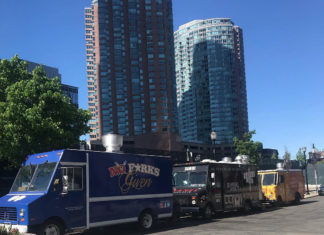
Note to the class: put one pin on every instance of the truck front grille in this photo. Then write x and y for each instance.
(8, 213)
(183, 200)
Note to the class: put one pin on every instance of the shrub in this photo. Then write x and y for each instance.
(10, 231)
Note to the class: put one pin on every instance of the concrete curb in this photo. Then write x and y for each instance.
(311, 194)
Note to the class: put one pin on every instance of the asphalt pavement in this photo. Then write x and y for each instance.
(305, 218)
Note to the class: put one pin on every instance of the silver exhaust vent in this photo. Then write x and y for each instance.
(209, 161)
(280, 166)
(245, 159)
(242, 159)
(227, 160)
(112, 142)
(239, 159)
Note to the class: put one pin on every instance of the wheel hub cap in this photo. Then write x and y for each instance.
(51, 229)
(147, 221)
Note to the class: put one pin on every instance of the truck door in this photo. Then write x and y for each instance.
(260, 187)
(216, 189)
(281, 189)
(74, 195)
(289, 187)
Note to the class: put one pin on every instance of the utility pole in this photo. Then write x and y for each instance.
(307, 189)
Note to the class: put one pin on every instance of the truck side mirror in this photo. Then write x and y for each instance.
(65, 183)
(56, 185)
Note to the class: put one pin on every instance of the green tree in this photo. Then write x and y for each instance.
(286, 156)
(300, 156)
(246, 146)
(34, 114)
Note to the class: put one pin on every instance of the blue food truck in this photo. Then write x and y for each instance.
(74, 190)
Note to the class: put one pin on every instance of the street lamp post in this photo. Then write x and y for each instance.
(314, 158)
(187, 155)
(213, 137)
(307, 189)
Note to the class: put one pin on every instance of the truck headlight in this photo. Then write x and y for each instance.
(22, 212)
(193, 202)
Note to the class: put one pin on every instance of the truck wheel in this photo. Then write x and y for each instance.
(51, 227)
(279, 202)
(146, 220)
(176, 213)
(208, 212)
(195, 215)
(247, 208)
(297, 198)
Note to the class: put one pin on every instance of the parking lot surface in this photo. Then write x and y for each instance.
(306, 218)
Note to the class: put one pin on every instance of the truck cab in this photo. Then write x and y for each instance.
(192, 186)
(37, 185)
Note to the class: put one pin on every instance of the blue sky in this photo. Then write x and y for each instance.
(284, 55)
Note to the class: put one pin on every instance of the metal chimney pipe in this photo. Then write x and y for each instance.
(112, 142)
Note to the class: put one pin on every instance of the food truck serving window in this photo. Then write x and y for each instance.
(33, 177)
(74, 175)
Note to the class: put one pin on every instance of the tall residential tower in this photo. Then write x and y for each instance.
(130, 71)
(210, 79)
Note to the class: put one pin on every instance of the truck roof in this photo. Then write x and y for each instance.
(277, 170)
(212, 163)
(137, 154)
(55, 156)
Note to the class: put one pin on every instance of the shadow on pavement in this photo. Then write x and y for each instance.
(161, 226)
(304, 202)
(188, 221)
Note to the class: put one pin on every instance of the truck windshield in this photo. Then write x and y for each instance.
(33, 177)
(268, 179)
(190, 179)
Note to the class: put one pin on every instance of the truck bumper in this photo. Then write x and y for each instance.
(20, 228)
(188, 209)
(268, 201)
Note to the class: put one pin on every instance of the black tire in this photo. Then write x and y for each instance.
(176, 214)
(195, 215)
(146, 221)
(52, 227)
(247, 207)
(257, 207)
(279, 202)
(208, 212)
(297, 198)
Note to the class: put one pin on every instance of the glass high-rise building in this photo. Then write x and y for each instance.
(51, 72)
(130, 70)
(210, 81)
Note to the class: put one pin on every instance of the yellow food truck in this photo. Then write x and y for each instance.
(282, 185)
